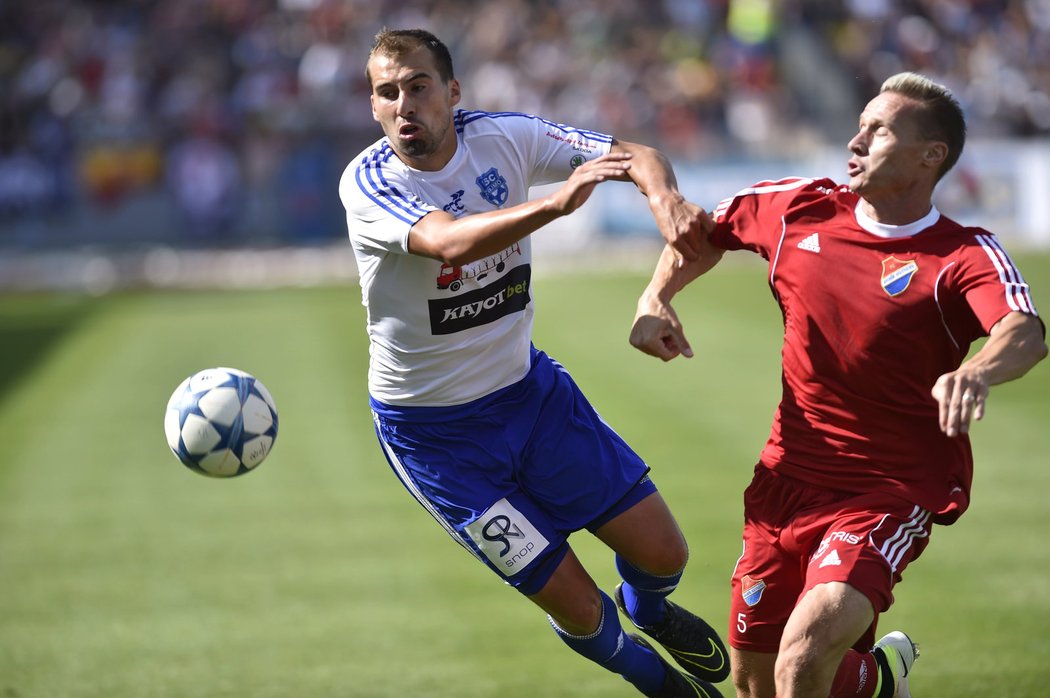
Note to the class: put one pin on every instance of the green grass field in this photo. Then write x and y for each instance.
(124, 575)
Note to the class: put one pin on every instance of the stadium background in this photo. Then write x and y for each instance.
(130, 129)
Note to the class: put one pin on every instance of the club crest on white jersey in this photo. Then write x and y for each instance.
(493, 187)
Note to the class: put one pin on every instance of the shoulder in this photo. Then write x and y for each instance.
(965, 239)
(795, 187)
(515, 124)
(476, 122)
(371, 169)
(788, 192)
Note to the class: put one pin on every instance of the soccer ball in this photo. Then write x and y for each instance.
(221, 422)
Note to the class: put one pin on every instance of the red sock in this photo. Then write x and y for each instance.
(857, 677)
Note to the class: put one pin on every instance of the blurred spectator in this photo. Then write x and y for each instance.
(306, 174)
(204, 177)
(25, 185)
(97, 95)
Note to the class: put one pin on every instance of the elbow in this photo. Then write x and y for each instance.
(1041, 351)
(444, 248)
(1040, 348)
(456, 255)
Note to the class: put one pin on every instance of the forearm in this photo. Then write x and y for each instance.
(459, 241)
(681, 223)
(670, 275)
(652, 173)
(470, 238)
(1014, 346)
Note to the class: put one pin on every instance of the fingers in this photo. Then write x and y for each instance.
(611, 164)
(660, 338)
(959, 402)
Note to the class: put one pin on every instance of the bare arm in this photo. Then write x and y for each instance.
(460, 241)
(657, 330)
(1015, 344)
(679, 221)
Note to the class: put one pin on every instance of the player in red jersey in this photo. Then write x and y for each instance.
(881, 297)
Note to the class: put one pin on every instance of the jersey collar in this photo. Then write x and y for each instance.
(884, 230)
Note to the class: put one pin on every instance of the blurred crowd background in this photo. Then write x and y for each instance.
(226, 122)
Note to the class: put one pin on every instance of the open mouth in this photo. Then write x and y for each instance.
(408, 130)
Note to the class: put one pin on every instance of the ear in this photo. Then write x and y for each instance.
(372, 101)
(936, 152)
(454, 92)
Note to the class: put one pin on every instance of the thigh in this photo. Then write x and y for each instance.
(866, 542)
(825, 623)
(574, 465)
(830, 616)
(462, 474)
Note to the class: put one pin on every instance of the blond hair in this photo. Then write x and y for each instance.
(940, 115)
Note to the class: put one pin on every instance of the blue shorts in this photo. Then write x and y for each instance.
(512, 474)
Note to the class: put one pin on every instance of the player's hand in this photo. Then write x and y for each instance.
(657, 331)
(581, 183)
(960, 397)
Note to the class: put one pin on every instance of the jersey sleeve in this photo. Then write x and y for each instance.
(552, 150)
(990, 282)
(380, 205)
(753, 218)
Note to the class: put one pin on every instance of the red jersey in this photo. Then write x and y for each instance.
(873, 316)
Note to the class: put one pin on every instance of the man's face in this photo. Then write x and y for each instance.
(890, 156)
(414, 107)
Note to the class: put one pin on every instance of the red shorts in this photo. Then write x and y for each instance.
(797, 536)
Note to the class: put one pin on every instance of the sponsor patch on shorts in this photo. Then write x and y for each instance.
(507, 538)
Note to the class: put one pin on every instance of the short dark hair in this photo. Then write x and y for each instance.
(940, 116)
(399, 42)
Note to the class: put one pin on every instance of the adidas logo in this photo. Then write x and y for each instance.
(811, 243)
(832, 557)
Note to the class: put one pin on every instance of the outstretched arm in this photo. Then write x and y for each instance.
(657, 330)
(1015, 344)
(460, 241)
(680, 222)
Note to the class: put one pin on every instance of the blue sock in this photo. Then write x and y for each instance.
(609, 646)
(644, 593)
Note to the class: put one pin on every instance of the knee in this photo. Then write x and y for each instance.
(802, 669)
(676, 556)
(668, 558)
(748, 686)
(791, 661)
(579, 616)
(752, 674)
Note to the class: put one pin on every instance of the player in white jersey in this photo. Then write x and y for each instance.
(488, 433)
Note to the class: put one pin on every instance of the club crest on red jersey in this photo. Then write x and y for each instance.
(751, 589)
(897, 274)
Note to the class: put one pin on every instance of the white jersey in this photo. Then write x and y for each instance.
(442, 335)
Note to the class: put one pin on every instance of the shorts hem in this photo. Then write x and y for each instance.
(636, 493)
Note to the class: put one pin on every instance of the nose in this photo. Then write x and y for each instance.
(405, 105)
(858, 143)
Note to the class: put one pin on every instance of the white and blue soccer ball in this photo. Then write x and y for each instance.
(221, 422)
